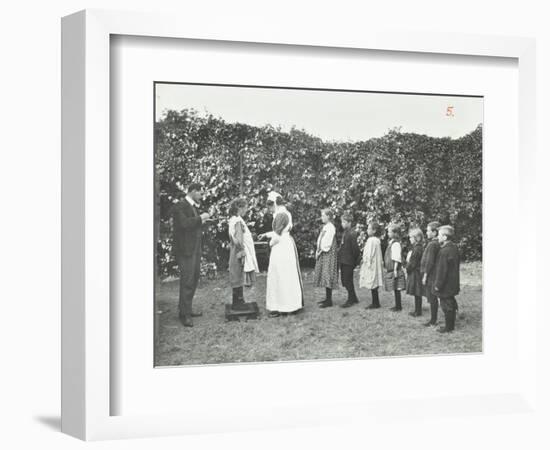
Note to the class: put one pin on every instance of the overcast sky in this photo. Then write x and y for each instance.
(335, 116)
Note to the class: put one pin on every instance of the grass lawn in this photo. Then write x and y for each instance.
(314, 334)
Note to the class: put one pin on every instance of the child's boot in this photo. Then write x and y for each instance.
(352, 298)
(397, 306)
(327, 303)
(375, 299)
(417, 307)
(452, 320)
(449, 322)
(433, 313)
(238, 299)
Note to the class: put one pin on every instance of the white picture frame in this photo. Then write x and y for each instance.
(86, 383)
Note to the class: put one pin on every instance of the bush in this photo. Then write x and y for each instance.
(401, 177)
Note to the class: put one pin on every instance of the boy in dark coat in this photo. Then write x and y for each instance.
(427, 268)
(447, 277)
(414, 278)
(349, 256)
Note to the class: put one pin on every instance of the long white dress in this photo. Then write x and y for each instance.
(284, 291)
(371, 274)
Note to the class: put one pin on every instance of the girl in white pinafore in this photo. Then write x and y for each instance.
(371, 273)
(284, 282)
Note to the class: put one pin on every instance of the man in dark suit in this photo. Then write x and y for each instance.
(348, 258)
(447, 277)
(187, 229)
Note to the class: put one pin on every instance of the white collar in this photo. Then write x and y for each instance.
(235, 219)
(191, 201)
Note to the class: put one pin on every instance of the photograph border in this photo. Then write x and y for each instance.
(86, 193)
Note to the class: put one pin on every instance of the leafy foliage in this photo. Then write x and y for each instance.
(406, 178)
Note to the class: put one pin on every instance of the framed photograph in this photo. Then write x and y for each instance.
(322, 212)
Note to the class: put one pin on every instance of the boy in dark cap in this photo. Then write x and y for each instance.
(447, 276)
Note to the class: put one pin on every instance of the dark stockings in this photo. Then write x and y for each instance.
(375, 298)
(397, 295)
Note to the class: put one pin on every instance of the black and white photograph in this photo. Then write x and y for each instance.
(296, 224)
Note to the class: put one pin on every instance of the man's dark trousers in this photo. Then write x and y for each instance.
(189, 271)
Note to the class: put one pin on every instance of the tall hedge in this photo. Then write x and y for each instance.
(400, 177)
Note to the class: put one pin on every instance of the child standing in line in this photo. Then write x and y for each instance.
(447, 276)
(427, 268)
(394, 278)
(371, 273)
(243, 265)
(414, 277)
(349, 257)
(326, 258)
